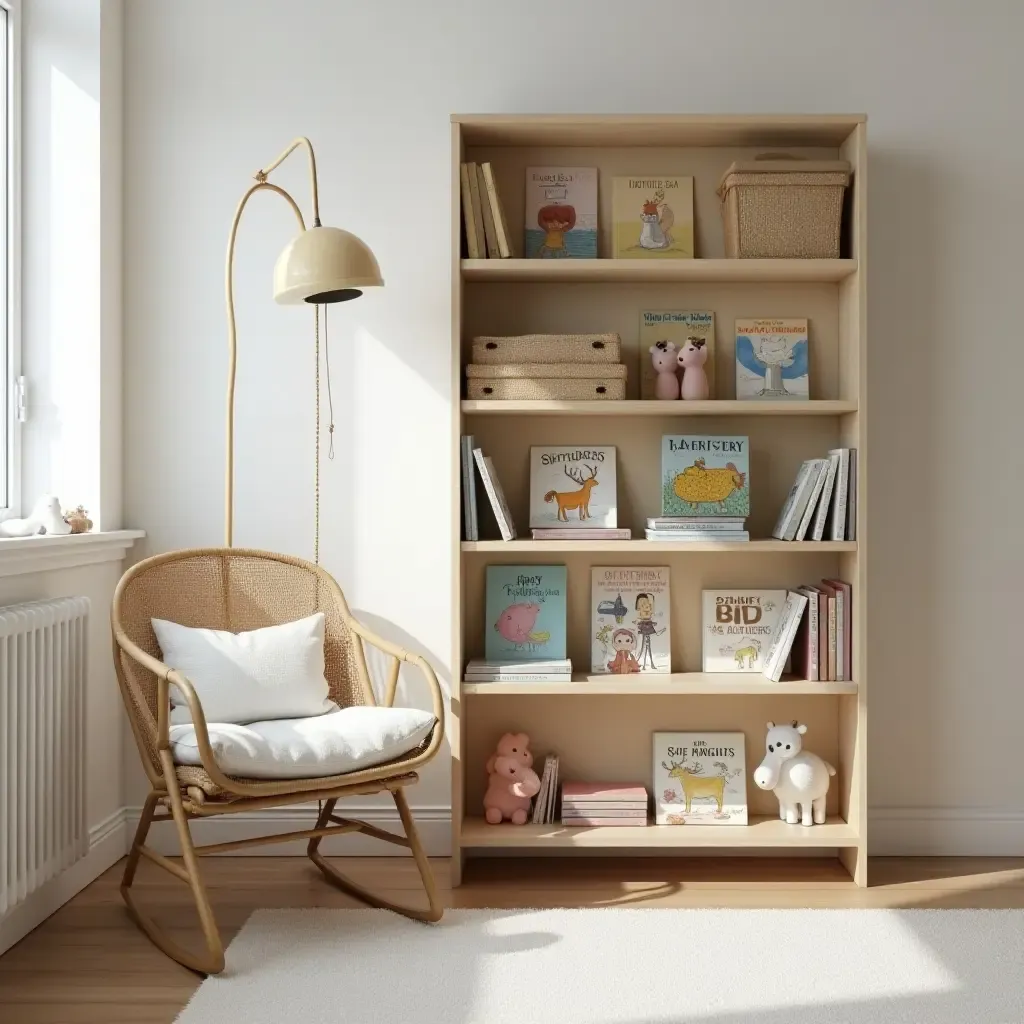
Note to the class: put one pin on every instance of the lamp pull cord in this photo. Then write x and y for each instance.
(330, 426)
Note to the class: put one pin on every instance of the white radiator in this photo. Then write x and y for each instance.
(42, 735)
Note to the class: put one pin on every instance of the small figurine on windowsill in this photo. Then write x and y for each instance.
(45, 517)
(78, 519)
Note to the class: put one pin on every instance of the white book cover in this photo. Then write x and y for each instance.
(825, 501)
(630, 620)
(495, 494)
(737, 628)
(785, 633)
(808, 516)
(699, 778)
(796, 501)
(573, 485)
(837, 529)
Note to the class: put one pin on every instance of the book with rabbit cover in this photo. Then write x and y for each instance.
(772, 360)
(525, 613)
(699, 778)
(737, 628)
(630, 624)
(652, 217)
(561, 213)
(704, 475)
(572, 485)
(674, 327)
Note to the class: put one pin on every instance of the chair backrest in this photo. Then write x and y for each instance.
(232, 589)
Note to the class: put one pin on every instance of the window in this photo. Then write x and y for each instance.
(10, 396)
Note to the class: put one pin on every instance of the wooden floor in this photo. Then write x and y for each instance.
(89, 965)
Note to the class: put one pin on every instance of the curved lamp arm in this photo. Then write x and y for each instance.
(261, 175)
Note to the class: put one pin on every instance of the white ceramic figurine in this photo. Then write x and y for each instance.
(800, 779)
(45, 517)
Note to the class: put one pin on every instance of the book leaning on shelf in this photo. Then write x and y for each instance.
(495, 495)
(545, 805)
(823, 499)
(784, 635)
(483, 215)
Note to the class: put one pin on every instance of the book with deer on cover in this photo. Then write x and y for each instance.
(705, 475)
(699, 778)
(572, 485)
(525, 611)
(737, 628)
(630, 625)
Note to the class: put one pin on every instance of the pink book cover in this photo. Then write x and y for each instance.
(616, 791)
(833, 630)
(847, 590)
(802, 647)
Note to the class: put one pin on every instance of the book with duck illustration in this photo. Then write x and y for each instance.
(705, 475)
(572, 485)
(630, 623)
(525, 613)
(652, 217)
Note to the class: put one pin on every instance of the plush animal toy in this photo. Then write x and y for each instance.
(511, 782)
(663, 357)
(45, 517)
(800, 779)
(692, 357)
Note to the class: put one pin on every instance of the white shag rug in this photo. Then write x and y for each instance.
(621, 967)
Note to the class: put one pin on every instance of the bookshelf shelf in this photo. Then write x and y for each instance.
(601, 725)
(762, 831)
(605, 271)
(635, 407)
(753, 547)
(680, 683)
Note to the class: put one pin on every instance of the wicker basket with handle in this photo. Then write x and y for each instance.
(782, 206)
(547, 348)
(546, 381)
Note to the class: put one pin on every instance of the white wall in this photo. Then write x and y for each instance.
(214, 90)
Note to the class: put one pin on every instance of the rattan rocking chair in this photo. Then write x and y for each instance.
(236, 589)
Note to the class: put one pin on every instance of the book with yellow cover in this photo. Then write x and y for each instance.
(652, 217)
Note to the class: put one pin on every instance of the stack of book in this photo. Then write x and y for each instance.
(724, 529)
(545, 809)
(816, 627)
(576, 533)
(483, 216)
(479, 670)
(823, 499)
(594, 804)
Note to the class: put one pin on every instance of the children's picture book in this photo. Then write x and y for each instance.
(652, 217)
(630, 625)
(561, 212)
(699, 778)
(737, 628)
(525, 613)
(572, 485)
(674, 326)
(705, 475)
(785, 634)
(772, 359)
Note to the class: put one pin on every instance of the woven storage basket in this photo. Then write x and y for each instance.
(783, 207)
(542, 381)
(547, 348)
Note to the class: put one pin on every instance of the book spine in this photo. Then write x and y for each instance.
(474, 512)
(841, 673)
(782, 644)
(838, 528)
(497, 212)
(792, 510)
(640, 820)
(733, 537)
(787, 643)
(813, 652)
(819, 483)
(490, 237)
(822, 636)
(478, 213)
(537, 818)
(851, 501)
(818, 530)
(485, 476)
(511, 677)
(468, 221)
(653, 524)
(831, 638)
(468, 487)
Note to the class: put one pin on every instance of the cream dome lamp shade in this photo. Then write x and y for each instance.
(323, 265)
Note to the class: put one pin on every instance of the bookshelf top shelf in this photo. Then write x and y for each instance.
(633, 407)
(655, 270)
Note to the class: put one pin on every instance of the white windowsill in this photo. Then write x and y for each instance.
(19, 555)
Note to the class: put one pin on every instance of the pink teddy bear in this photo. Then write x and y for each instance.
(692, 357)
(511, 782)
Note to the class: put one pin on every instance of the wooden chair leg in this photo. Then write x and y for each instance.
(212, 960)
(434, 908)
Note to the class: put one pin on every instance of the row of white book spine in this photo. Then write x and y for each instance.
(545, 806)
(824, 494)
(483, 214)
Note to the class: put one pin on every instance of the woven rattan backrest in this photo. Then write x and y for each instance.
(231, 589)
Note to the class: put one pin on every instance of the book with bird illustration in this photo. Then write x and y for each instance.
(737, 628)
(525, 613)
(704, 475)
(561, 213)
(674, 327)
(772, 359)
(652, 217)
(699, 778)
(630, 621)
(572, 485)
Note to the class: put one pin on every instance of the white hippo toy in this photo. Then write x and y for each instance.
(799, 778)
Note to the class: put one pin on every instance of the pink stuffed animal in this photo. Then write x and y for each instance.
(663, 356)
(692, 357)
(511, 781)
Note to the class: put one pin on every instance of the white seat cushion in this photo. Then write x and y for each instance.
(270, 673)
(345, 740)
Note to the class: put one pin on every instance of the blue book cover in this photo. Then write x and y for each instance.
(525, 613)
(705, 475)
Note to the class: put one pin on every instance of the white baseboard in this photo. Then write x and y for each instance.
(944, 832)
(108, 842)
(434, 824)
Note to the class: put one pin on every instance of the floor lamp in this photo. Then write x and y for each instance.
(319, 266)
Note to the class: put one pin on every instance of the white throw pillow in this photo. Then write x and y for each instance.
(346, 740)
(275, 672)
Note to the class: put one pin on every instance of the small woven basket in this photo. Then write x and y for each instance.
(547, 348)
(783, 207)
(546, 381)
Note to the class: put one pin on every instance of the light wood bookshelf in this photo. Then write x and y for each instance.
(601, 726)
